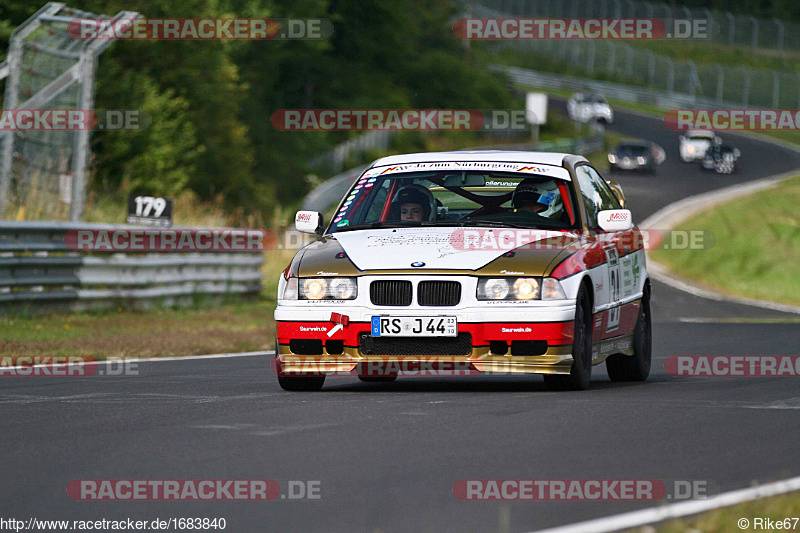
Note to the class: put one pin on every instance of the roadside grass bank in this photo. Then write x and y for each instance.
(236, 326)
(726, 519)
(756, 249)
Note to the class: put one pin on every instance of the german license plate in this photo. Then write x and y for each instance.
(414, 326)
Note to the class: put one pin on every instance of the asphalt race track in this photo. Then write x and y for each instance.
(387, 456)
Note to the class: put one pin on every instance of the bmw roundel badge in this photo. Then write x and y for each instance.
(417, 264)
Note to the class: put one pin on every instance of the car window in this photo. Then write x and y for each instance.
(595, 193)
(438, 199)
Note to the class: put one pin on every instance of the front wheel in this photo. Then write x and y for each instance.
(580, 374)
(296, 383)
(635, 367)
(377, 379)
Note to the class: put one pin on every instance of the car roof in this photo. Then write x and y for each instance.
(699, 133)
(643, 144)
(544, 158)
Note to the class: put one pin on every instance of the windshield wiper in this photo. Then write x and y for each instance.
(373, 225)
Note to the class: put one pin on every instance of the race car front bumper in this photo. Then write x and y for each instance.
(323, 346)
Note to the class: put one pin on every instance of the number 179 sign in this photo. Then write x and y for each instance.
(150, 210)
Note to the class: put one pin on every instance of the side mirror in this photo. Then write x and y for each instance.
(308, 222)
(615, 220)
(616, 188)
(660, 155)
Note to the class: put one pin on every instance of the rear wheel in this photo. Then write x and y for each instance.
(580, 374)
(635, 367)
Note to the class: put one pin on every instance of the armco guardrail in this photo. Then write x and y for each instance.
(40, 273)
(626, 93)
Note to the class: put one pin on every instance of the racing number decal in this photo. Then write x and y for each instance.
(614, 285)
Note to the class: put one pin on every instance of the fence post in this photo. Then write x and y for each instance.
(590, 57)
(776, 88)
(720, 80)
(746, 88)
(628, 61)
(755, 33)
(731, 27)
(670, 76)
(651, 68)
(612, 57)
(709, 23)
(798, 91)
(780, 35)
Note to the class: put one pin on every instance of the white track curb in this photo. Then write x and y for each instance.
(677, 510)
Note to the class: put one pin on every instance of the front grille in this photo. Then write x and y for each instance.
(460, 345)
(390, 292)
(439, 293)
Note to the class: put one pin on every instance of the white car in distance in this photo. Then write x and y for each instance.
(587, 107)
(694, 143)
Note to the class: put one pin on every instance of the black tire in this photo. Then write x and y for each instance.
(580, 374)
(635, 367)
(301, 384)
(377, 379)
(298, 383)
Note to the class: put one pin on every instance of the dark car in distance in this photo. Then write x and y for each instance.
(636, 155)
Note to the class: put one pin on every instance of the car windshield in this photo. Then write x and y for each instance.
(632, 150)
(456, 198)
(700, 137)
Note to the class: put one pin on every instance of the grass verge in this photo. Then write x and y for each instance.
(756, 246)
(726, 520)
(239, 326)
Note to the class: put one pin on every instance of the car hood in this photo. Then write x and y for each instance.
(435, 249)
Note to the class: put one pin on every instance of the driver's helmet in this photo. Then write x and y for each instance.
(416, 194)
(530, 191)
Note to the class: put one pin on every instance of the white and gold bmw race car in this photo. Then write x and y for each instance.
(464, 263)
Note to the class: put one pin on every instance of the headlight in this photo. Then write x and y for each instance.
(520, 289)
(612, 158)
(493, 289)
(640, 160)
(327, 288)
(690, 149)
(526, 288)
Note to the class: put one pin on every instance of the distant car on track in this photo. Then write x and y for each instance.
(721, 158)
(694, 143)
(587, 107)
(636, 155)
(517, 262)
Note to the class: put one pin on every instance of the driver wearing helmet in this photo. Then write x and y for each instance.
(412, 203)
(529, 198)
